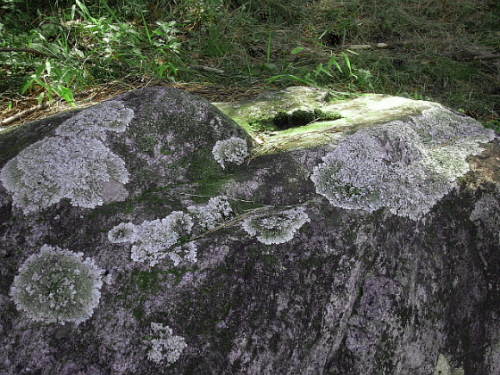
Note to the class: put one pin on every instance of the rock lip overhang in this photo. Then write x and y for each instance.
(365, 110)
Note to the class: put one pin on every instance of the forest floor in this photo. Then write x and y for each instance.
(435, 50)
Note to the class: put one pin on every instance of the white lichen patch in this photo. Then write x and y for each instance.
(94, 121)
(164, 345)
(157, 239)
(232, 150)
(216, 211)
(276, 228)
(404, 166)
(442, 366)
(76, 164)
(57, 285)
(124, 232)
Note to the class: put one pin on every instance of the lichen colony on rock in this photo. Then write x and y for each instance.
(75, 164)
(275, 228)
(164, 345)
(124, 232)
(154, 240)
(404, 166)
(217, 263)
(108, 116)
(57, 285)
(232, 150)
(217, 210)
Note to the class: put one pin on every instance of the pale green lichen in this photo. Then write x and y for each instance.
(124, 232)
(157, 239)
(276, 228)
(75, 164)
(107, 116)
(216, 211)
(406, 167)
(164, 345)
(233, 150)
(442, 366)
(57, 285)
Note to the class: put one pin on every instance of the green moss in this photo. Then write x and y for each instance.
(201, 165)
(284, 120)
(155, 195)
(271, 261)
(206, 175)
(150, 281)
(146, 142)
(141, 284)
(146, 281)
(166, 151)
(327, 115)
(268, 119)
(261, 125)
(493, 124)
(335, 96)
(138, 313)
(240, 206)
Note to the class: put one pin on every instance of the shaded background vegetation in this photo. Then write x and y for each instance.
(442, 50)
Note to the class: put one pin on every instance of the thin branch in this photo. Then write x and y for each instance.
(26, 112)
(208, 69)
(28, 50)
(487, 57)
(367, 46)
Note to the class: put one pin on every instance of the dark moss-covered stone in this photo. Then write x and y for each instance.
(365, 242)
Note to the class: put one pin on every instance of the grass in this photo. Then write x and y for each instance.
(432, 47)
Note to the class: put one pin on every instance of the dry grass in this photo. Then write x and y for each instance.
(434, 49)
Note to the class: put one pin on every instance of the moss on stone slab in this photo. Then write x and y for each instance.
(300, 117)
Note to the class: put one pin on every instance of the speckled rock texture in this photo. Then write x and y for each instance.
(154, 234)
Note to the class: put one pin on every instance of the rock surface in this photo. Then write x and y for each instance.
(152, 234)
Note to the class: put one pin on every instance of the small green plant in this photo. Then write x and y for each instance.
(85, 44)
(90, 42)
(333, 72)
(54, 80)
(493, 124)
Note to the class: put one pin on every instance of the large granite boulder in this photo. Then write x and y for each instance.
(298, 233)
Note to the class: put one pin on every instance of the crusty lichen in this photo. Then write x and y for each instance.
(107, 116)
(157, 239)
(57, 285)
(164, 345)
(123, 232)
(404, 166)
(233, 150)
(75, 164)
(217, 210)
(276, 228)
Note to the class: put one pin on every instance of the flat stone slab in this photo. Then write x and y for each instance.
(356, 111)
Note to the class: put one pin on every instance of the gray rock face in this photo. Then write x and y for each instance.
(153, 234)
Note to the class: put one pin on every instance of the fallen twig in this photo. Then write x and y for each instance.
(487, 57)
(26, 112)
(367, 46)
(208, 69)
(28, 50)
